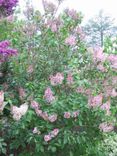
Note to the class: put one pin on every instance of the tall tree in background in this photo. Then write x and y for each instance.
(98, 28)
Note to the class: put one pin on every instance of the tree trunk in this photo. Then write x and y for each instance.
(102, 35)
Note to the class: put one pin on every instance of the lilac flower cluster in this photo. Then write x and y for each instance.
(106, 127)
(72, 13)
(5, 51)
(54, 25)
(49, 7)
(43, 115)
(71, 40)
(7, 6)
(68, 115)
(95, 101)
(51, 135)
(56, 79)
(48, 95)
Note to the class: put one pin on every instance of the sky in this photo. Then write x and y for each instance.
(89, 8)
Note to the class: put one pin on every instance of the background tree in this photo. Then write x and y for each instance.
(98, 28)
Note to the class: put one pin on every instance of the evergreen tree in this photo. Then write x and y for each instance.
(98, 28)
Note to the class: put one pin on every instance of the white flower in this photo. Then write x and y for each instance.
(18, 112)
(24, 108)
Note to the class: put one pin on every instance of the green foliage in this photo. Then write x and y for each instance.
(110, 45)
(2, 146)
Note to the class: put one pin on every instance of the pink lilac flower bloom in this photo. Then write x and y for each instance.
(106, 107)
(55, 132)
(48, 95)
(98, 54)
(67, 115)
(112, 58)
(34, 105)
(95, 101)
(71, 40)
(106, 127)
(44, 115)
(51, 135)
(38, 112)
(47, 138)
(101, 68)
(54, 27)
(52, 118)
(56, 79)
(72, 13)
(54, 24)
(70, 79)
(49, 6)
(75, 114)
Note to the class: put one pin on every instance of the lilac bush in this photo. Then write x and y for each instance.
(61, 95)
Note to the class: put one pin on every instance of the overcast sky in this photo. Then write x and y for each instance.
(89, 8)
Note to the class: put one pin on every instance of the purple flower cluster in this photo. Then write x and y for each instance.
(72, 13)
(106, 127)
(56, 79)
(7, 6)
(5, 51)
(48, 6)
(48, 95)
(51, 135)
